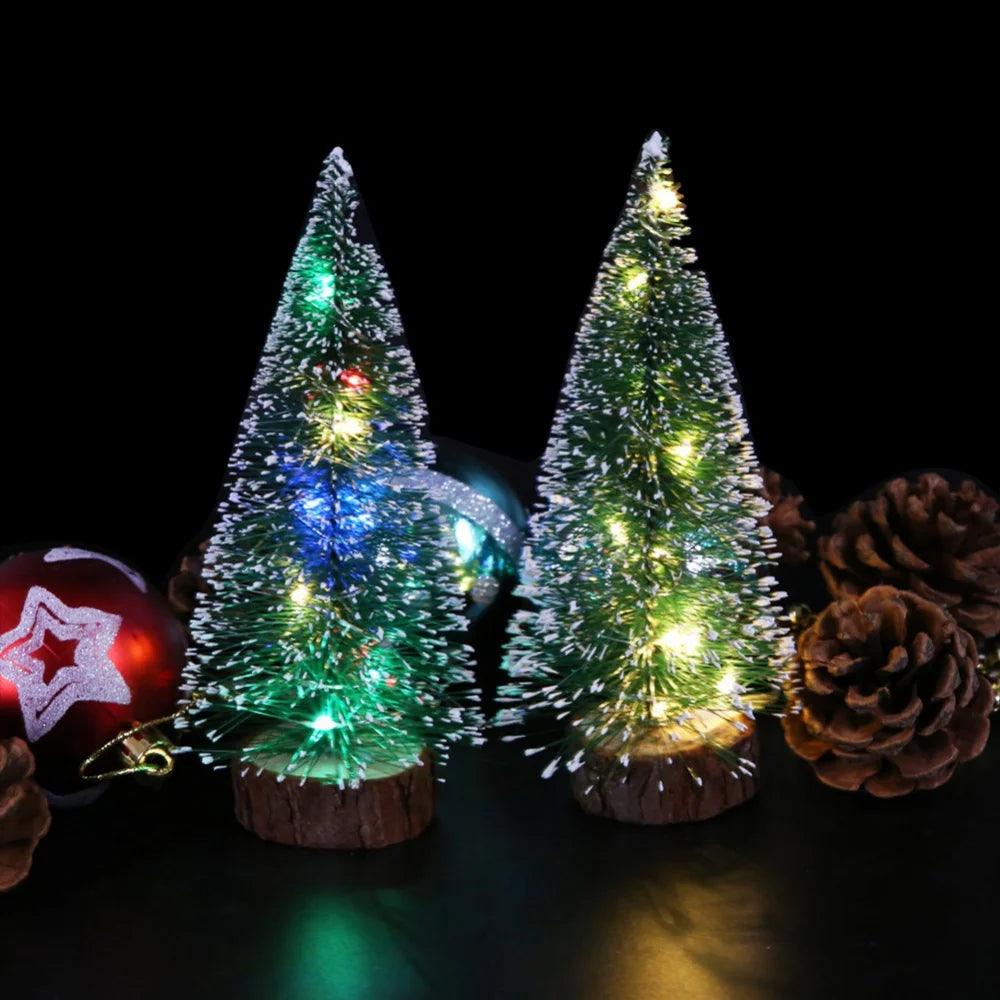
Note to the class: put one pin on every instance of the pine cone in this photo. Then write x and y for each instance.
(887, 694)
(942, 544)
(186, 582)
(792, 532)
(24, 813)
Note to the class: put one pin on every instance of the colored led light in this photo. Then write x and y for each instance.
(664, 198)
(354, 378)
(348, 426)
(680, 640)
(618, 532)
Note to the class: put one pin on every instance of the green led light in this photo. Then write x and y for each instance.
(325, 289)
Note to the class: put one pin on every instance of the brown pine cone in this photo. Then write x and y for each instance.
(24, 813)
(942, 544)
(792, 532)
(887, 695)
(186, 582)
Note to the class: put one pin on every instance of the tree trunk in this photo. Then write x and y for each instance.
(667, 781)
(379, 812)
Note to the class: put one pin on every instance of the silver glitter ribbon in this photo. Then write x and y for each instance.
(467, 502)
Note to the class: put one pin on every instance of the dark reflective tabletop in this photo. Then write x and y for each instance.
(514, 892)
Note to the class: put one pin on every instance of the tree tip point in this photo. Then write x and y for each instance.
(336, 159)
(655, 147)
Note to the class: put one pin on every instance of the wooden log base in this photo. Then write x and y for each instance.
(649, 790)
(383, 810)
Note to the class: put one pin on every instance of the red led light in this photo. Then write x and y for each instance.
(354, 378)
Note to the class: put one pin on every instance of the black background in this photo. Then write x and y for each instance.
(151, 233)
(150, 230)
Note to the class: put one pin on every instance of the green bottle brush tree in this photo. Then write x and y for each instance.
(325, 667)
(654, 626)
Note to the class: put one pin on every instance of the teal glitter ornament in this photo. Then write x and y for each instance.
(486, 522)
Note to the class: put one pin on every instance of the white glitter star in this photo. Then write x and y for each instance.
(91, 677)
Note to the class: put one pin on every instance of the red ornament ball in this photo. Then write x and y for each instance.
(87, 649)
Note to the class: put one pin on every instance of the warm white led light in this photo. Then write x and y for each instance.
(664, 198)
(348, 426)
(636, 281)
(659, 708)
(728, 684)
(618, 532)
(683, 451)
(680, 639)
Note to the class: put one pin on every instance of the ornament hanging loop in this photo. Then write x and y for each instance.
(143, 749)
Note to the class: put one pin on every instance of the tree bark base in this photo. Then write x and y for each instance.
(666, 781)
(378, 813)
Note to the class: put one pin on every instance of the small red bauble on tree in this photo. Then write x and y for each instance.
(87, 650)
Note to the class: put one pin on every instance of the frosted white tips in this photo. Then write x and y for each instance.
(654, 148)
(336, 159)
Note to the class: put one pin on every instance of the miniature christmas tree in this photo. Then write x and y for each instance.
(654, 624)
(324, 653)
